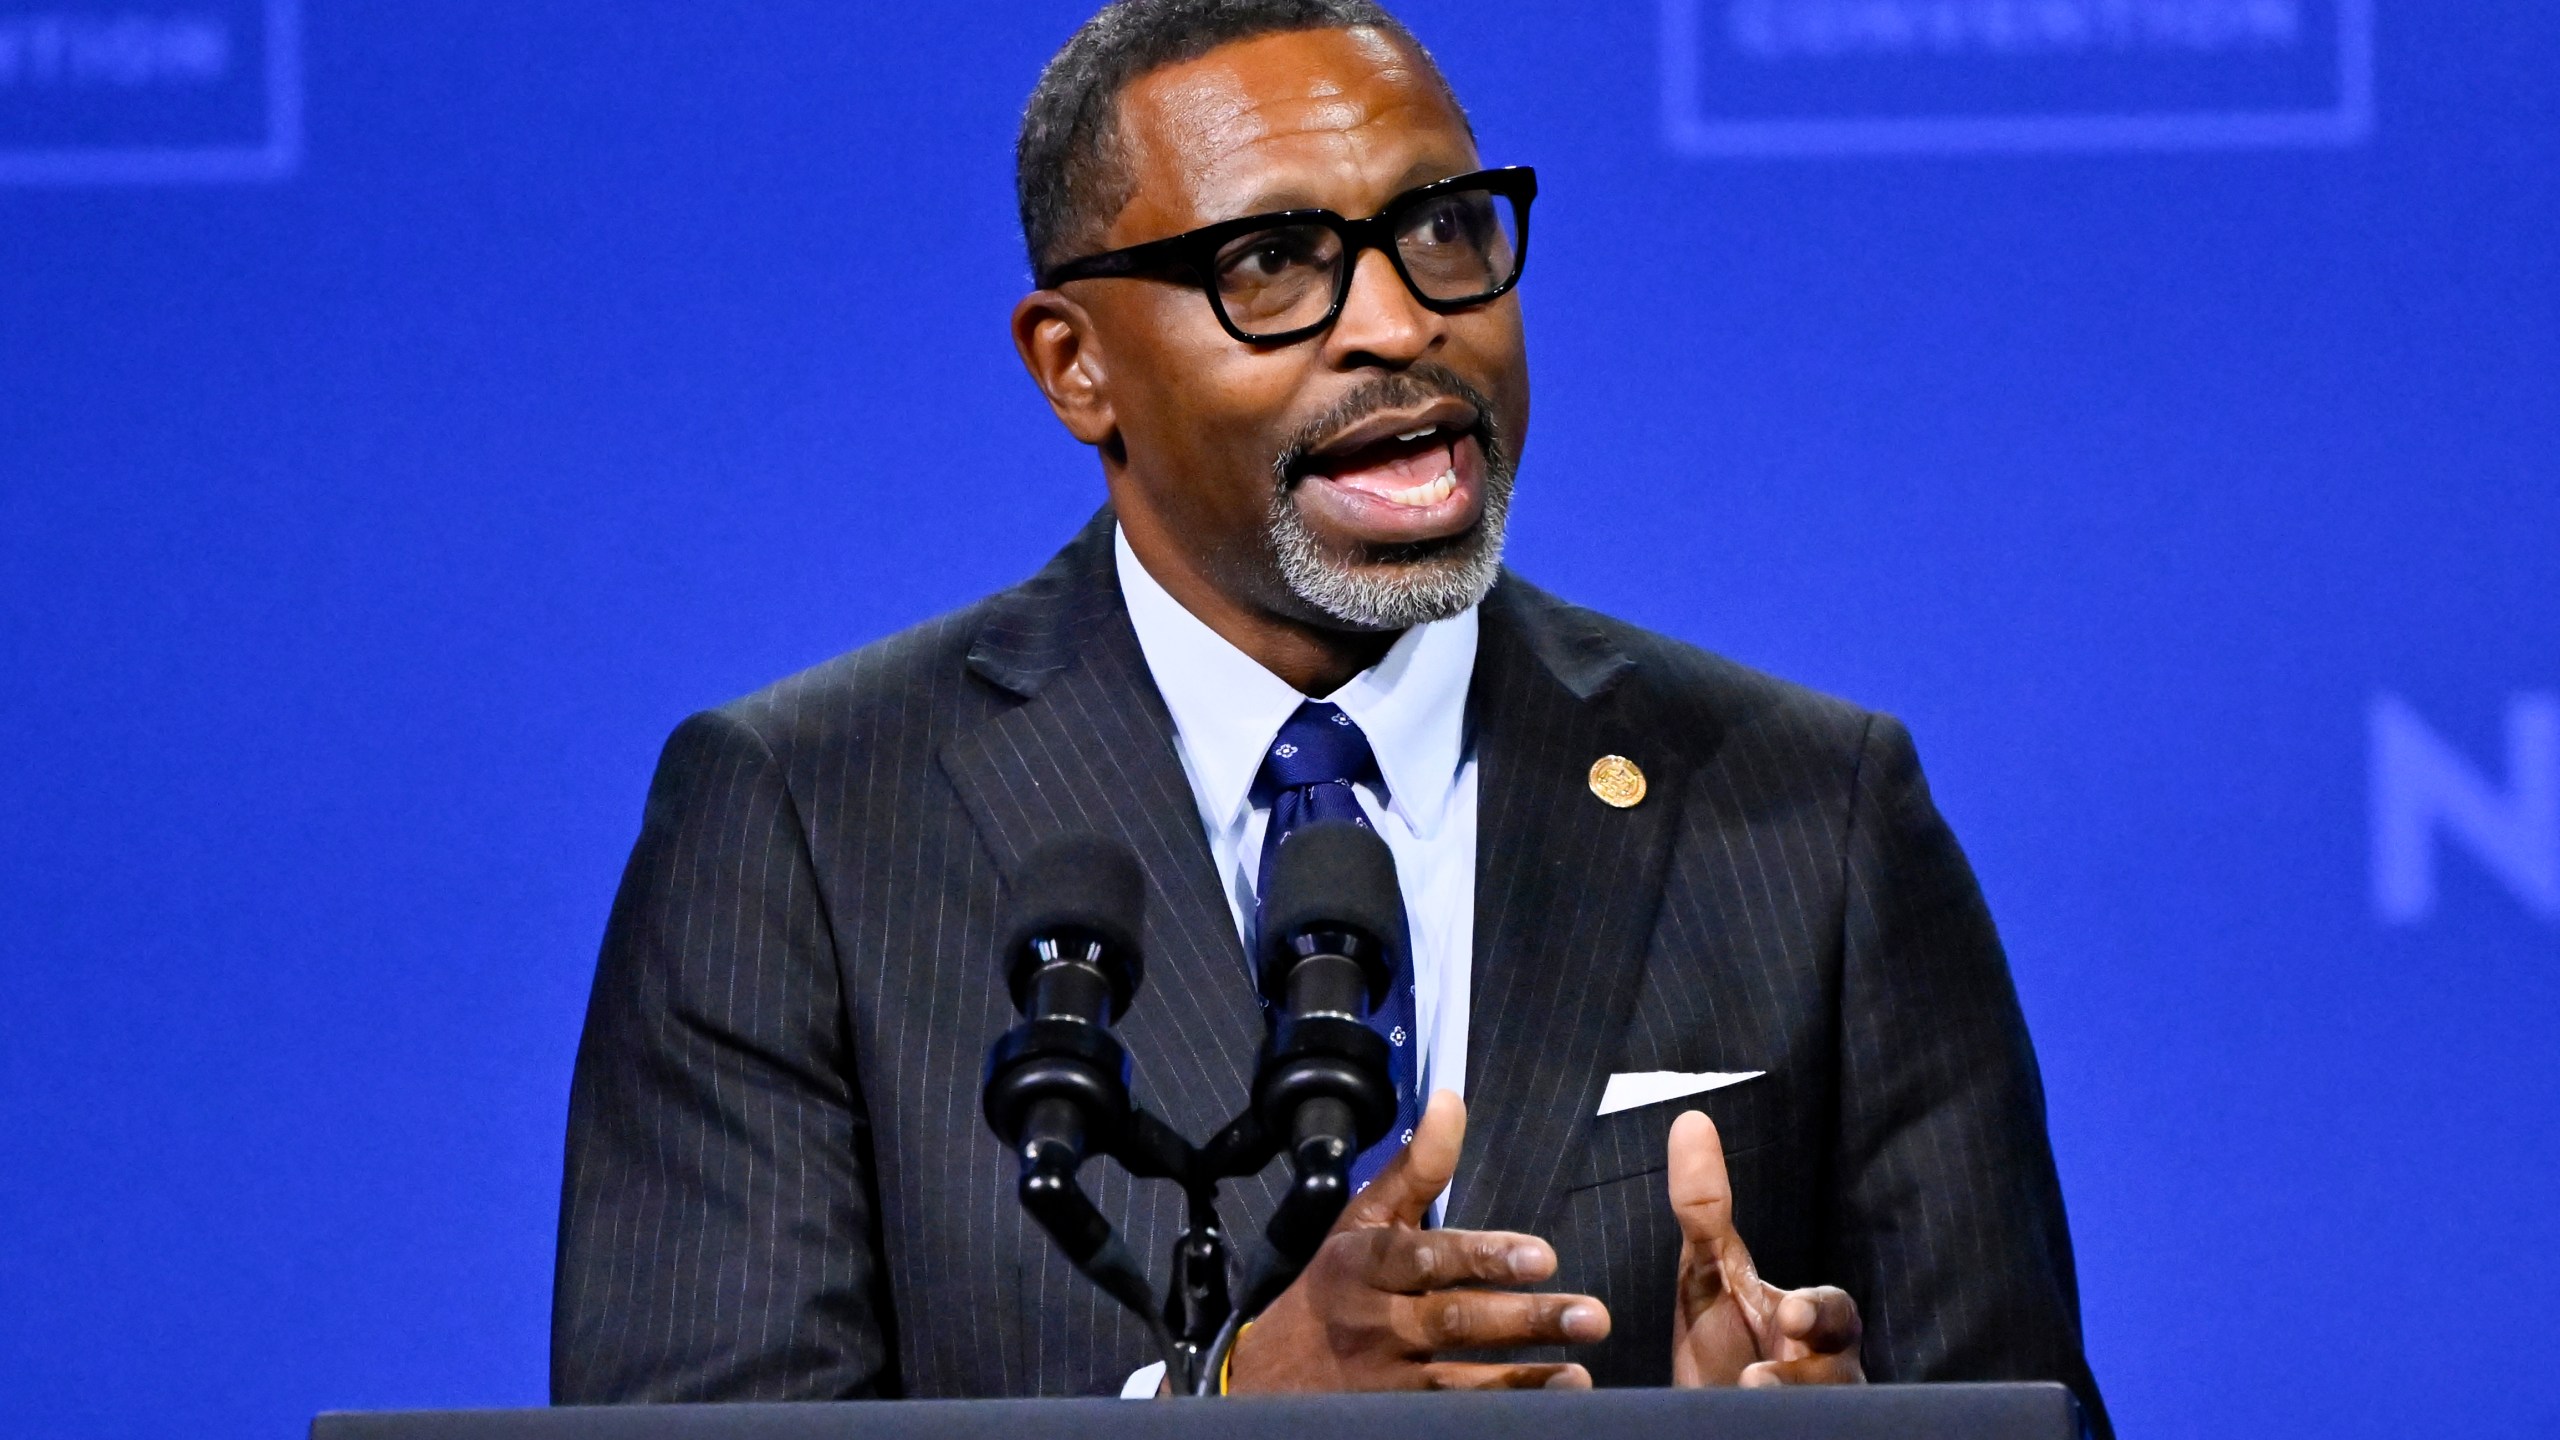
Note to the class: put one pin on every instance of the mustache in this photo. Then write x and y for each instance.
(1423, 383)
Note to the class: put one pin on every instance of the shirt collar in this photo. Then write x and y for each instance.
(1227, 709)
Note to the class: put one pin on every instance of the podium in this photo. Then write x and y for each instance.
(1874, 1412)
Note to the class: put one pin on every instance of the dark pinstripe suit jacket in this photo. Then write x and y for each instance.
(778, 1183)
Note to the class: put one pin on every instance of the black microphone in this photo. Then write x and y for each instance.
(1057, 1085)
(1331, 942)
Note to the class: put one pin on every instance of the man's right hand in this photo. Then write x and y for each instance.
(1384, 1296)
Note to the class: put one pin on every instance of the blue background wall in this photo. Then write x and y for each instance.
(362, 533)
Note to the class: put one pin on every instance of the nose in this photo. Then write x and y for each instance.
(1382, 323)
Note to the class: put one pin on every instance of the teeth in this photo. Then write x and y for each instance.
(1430, 492)
(1416, 434)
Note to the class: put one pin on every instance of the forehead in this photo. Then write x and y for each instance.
(1341, 119)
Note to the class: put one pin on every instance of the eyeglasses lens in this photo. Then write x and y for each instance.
(1459, 246)
(1275, 281)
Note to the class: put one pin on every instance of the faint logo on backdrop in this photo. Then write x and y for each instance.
(2430, 798)
(209, 90)
(1864, 77)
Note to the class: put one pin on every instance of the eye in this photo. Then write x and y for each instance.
(1284, 255)
(1448, 221)
(1266, 258)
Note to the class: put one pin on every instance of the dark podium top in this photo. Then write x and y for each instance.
(1876, 1412)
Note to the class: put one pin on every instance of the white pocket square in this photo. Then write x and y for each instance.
(1652, 1087)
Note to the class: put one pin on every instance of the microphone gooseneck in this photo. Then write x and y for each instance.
(1058, 1082)
(1330, 939)
(1057, 1087)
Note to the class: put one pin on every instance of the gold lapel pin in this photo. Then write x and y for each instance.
(1617, 781)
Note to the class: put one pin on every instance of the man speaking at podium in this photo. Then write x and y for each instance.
(1728, 1080)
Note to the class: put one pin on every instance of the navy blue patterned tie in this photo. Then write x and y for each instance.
(1306, 777)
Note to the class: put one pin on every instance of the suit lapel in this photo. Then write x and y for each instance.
(1087, 746)
(1566, 892)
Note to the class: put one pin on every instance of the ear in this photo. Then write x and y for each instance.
(1055, 337)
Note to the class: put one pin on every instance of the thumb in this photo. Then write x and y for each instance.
(1701, 1192)
(1402, 1192)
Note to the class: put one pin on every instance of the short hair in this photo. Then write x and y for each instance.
(1069, 175)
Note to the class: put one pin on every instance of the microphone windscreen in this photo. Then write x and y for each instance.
(1083, 883)
(1333, 876)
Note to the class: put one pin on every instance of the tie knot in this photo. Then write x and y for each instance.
(1319, 746)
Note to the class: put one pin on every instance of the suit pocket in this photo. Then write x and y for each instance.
(1638, 1141)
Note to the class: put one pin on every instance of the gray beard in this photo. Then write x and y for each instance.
(1401, 588)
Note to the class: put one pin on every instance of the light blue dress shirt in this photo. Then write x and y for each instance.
(1413, 707)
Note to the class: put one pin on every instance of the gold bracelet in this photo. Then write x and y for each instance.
(1228, 1365)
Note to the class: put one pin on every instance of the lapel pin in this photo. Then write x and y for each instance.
(1617, 781)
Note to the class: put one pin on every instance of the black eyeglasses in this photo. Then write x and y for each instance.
(1281, 277)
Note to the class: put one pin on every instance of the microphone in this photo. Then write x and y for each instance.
(1331, 939)
(1057, 1087)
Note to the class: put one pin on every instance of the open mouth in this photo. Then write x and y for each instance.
(1413, 469)
(1400, 476)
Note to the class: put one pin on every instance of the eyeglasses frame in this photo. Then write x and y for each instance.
(1192, 254)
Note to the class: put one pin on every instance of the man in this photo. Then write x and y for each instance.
(1620, 857)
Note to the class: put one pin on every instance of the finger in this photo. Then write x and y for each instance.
(1811, 1370)
(1454, 1375)
(1402, 1192)
(1495, 1320)
(1824, 1320)
(1701, 1193)
(1411, 1262)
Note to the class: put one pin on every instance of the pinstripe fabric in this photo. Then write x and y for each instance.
(778, 1183)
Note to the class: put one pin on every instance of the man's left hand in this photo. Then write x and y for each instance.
(1731, 1326)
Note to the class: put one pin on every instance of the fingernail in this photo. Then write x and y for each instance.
(1528, 1259)
(1582, 1322)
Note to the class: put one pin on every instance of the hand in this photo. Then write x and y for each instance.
(1383, 1295)
(1732, 1327)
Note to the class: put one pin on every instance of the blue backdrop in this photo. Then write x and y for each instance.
(409, 412)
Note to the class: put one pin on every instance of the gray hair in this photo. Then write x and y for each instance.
(1069, 175)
